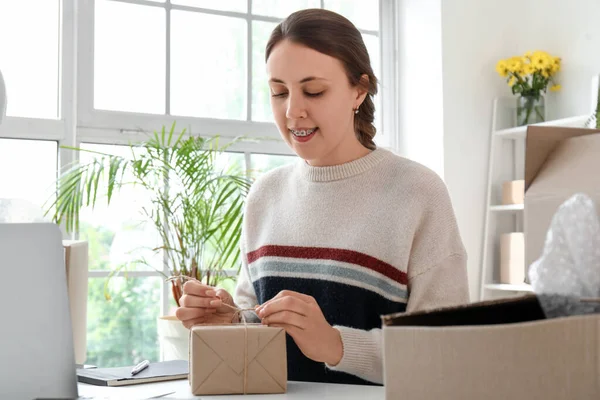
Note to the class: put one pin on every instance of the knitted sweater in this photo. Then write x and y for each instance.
(366, 238)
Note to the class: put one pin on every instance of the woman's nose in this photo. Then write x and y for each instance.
(296, 108)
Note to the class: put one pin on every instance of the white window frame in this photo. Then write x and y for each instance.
(80, 122)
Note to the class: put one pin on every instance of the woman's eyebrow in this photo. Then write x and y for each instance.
(304, 80)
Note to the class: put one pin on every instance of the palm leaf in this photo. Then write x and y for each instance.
(194, 206)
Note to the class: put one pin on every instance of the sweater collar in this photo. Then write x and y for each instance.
(343, 171)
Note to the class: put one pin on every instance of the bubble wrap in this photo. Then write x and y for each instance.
(569, 267)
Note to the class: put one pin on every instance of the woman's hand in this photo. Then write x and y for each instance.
(303, 320)
(202, 304)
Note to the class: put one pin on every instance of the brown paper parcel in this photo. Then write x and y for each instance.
(225, 358)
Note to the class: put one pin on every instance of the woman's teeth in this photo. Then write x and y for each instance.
(303, 132)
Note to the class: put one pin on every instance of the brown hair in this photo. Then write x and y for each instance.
(332, 34)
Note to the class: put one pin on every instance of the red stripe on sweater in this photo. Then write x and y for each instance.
(322, 253)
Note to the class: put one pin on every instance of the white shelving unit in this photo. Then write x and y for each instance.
(506, 163)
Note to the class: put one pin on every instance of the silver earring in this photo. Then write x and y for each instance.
(356, 110)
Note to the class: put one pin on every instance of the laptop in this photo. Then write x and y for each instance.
(37, 358)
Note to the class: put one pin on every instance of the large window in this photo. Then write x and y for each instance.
(100, 74)
(194, 58)
(193, 61)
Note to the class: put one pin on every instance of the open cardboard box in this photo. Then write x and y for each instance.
(559, 162)
(502, 349)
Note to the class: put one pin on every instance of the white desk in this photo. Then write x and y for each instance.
(295, 391)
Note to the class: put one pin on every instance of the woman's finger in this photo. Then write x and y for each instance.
(284, 304)
(195, 301)
(186, 313)
(304, 297)
(198, 289)
(286, 318)
(291, 330)
(289, 293)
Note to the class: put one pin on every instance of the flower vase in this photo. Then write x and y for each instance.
(530, 110)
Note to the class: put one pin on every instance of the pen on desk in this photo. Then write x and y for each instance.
(140, 367)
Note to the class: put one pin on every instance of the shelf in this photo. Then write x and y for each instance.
(521, 131)
(524, 287)
(508, 207)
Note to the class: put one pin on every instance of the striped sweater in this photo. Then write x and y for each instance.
(370, 237)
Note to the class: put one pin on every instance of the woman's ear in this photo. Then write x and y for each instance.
(362, 89)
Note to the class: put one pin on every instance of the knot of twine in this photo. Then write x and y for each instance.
(238, 312)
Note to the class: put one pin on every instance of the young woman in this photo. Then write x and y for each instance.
(347, 234)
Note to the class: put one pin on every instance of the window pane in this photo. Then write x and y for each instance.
(129, 57)
(261, 105)
(229, 5)
(363, 14)
(129, 234)
(26, 185)
(122, 331)
(236, 162)
(278, 8)
(262, 163)
(29, 57)
(208, 65)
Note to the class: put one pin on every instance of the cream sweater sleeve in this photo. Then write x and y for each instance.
(437, 275)
(443, 285)
(363, 355)
(437, 269)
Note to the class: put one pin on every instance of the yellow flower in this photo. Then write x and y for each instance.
(528, 69)
(540, 60)
(502, 68)
(515, 65)
(555, 65)
(555, 88)
(529, 64)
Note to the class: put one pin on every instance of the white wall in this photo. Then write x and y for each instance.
(421, 122)
(475, 35)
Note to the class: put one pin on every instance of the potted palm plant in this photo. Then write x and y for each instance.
(195, 207)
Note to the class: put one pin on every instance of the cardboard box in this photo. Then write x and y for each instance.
(76, 266)
(225, 358)
(513, 192)
(494, 350)
(559, 162)
(512, 258)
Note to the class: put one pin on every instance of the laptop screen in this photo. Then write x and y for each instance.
(36, 344)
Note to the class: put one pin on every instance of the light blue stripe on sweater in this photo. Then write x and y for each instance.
(264, 267)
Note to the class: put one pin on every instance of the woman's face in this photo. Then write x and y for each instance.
(313, 104)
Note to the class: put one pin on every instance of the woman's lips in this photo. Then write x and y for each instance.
(304, 139)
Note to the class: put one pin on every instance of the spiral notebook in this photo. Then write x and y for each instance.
(121, 376)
